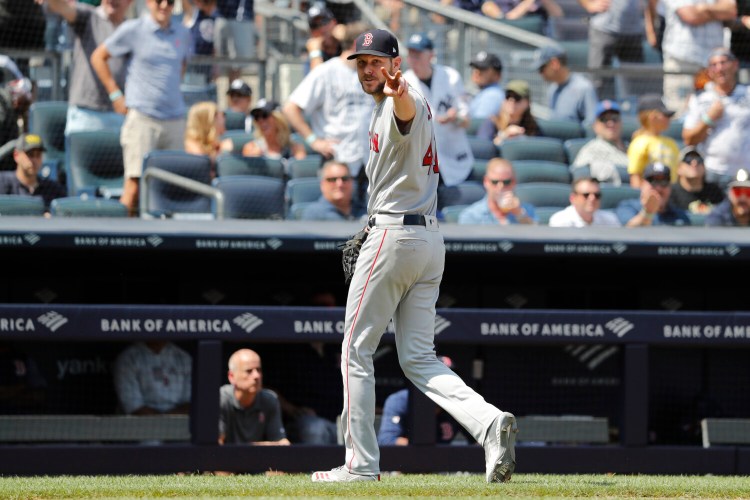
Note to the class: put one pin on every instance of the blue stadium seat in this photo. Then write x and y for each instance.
(573, 146)
(560, 129)
(164, 199)
(231, 164)
(47, 120)
(94, 163)
(239, 138)
(451, 213)
(465, 193)
(612, 195)
(17, 204)
(304, 167)
(541, 171)
(234, 120)
(534, 148)
(250, 197)
(544, 194)
(300, 190)
(74, 206)
(543, 214)
(483, 149)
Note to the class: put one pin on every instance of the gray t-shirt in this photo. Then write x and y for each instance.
(91, 28)
(259, 422)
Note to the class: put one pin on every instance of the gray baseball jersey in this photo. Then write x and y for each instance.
(398, 276)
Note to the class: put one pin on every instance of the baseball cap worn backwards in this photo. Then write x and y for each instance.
(29, 142)
(375, 43)
(420, 42)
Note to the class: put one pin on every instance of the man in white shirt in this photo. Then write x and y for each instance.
(584, 209)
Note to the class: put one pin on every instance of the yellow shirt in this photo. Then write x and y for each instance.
(646, 149)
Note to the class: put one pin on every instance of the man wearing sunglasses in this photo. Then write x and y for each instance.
(735, 209)
(653, 208)
(337, 190)
(500, 205)
(585, 207)
(606, 151)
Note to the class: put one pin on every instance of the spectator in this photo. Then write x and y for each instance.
(158, 48)
(615, 30)
(649, 145)
(500, 205)
(585, 207)
(571, 96)
(338, 110)
(605, 152)
(486, 73)
(692, 192)
(517, 9)
(693, 28)
(718, 119)
(272, 134)
(336, 201)
(89, 106)
(654, 24)
(735, 209)
(202, 26)
(234, 31)
(15, 99)
(203, 130)
(239, 100)
(153, 377)
(740, 29)
(653, 208)
(25, 179)
(514, 119)
(23, 389)
(322, 44)
(396, 424)
(443, 88)
(248, 412)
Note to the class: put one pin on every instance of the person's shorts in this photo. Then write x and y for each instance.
(142, 134)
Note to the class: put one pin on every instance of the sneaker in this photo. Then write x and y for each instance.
(500, 448)
(340, 474)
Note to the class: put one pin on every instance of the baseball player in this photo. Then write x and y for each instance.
(398, 274)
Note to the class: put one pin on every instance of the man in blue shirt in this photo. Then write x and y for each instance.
(653, 208)
(571, 96)
(159, 49)
(486, 73)
(337, 189)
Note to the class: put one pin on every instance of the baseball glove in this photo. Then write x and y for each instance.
(350, 253)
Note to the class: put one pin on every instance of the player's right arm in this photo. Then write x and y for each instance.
(404, 106)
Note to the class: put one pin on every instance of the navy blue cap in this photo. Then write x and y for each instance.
(606, 105)
(375, 43)
(657, 171)
(419, 41)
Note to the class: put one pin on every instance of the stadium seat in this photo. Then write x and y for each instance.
(239, 138)
(534, 148)
(560, 129)
(697, 219)
(300, 190)
(534, 24)
(578, 53)
(94, 164)
(483, 149)
(74, 206)
(573, 146)
(47, 120)
(541, 171)
(474, 124)
(231, 164)
(304, 167)
(296, 210)
(250, 196)
(544, 194)
(166, 200)
(234, 120)
(612, 195)
(451, 213)
(465, 193)
(570, 28)
(17, 204)
(478, 169)
(543, 214)
(197, 93)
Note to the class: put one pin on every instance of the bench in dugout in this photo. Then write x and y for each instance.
(93, 428)
(719, 431)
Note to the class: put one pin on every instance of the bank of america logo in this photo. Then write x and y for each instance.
(274, 243)
(591, 356)
(441, 324)
(155, 240)
(619, 326)
(247, 322)
(31, 238)
(505, 245)
(733, 250)
(619, 247)
(52, 320)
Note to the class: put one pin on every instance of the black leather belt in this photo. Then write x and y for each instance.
(406, 220)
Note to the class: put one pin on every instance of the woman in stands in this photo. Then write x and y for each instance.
(514, 118)
(273, 136)
(205, 125)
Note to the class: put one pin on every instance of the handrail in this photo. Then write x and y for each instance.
(179, 181)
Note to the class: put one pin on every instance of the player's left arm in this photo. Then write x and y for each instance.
(404, 107)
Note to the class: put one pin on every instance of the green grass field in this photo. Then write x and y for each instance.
(391, 486)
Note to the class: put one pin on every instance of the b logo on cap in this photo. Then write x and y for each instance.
(368, 40)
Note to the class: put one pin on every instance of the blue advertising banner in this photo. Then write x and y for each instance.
(302, 324)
